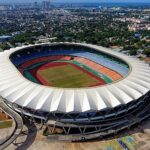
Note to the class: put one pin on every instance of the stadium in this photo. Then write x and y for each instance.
(80, 91)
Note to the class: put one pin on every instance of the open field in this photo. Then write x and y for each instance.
(67, 75)
(5, 124)
(5, 121)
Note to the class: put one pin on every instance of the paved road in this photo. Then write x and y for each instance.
(18, 121)
(122, 144)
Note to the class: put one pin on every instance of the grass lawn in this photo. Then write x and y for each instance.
(67, 76)
(129, 141)
(6, 124)
(111, 145)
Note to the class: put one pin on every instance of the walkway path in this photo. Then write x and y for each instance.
(18, 121)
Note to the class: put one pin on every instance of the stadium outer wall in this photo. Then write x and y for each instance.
(103, 124)
(89, 125)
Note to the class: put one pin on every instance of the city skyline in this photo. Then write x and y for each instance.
(77, 1)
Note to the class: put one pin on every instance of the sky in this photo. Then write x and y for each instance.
(77, 1)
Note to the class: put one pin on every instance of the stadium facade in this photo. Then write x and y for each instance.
(80, 113)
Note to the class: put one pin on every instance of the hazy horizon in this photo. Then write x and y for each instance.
(77, 1)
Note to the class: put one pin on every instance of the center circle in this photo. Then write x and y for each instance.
(68, 66)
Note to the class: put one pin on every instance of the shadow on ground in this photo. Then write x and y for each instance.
(30, 132)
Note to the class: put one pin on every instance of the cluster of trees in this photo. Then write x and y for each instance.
(28, 37)
(147, 52)
(94, 28)
(102, 30)
(5, 32)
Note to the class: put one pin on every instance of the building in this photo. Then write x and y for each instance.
(137, 27)
(118, 99)
(46, 5)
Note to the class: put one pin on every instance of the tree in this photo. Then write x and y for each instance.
(147, 52)
(133, 52)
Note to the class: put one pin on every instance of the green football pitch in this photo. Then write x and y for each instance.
(67, 76)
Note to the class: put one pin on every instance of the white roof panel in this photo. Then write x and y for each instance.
(17, 89)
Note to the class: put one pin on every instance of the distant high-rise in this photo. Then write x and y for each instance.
(46, 4)
(35, 5)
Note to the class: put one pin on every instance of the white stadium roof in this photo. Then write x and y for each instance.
(17, 89)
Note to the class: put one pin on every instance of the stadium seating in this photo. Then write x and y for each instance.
(100, 59)
(44, 59)
(110, 73)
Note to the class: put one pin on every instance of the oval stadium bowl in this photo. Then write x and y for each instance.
(82, 91)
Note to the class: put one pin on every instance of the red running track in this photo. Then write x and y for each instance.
(57, 64)
(42, 59)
